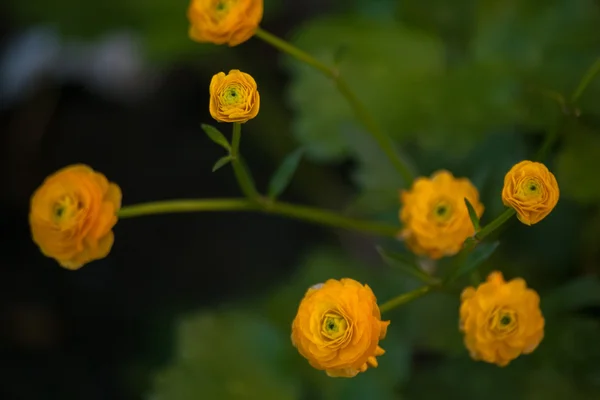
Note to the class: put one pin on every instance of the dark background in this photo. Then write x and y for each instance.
(120, 87)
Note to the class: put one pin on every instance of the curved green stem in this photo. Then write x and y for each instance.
(241, 172)
(472, 242)
(549, 140)
(295, 52)
(362, 114)
(385, 143)
(309, 214)
(404, 298)
(586, 80)
(185, 205)
(495, 224)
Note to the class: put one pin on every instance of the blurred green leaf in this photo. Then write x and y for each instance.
(472, 215)
(451, 21)
(476, 257)
(549, 384)
(586, 80)
(377, 68)
(575, 294)
(284, 174)
(221, 162)
(433, 323)
(520, 36)
(216, 136)
(405, 263)
(374, 173)
(577, 165)
(227, 355)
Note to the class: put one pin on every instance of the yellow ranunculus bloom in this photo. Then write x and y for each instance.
(338, 328)
(434, 215)
(531, 189)
(72, 215)
(233, 97)
(224, 21)
(501, 320)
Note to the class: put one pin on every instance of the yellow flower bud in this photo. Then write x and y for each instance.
(501, 320)
(72, 215)
(233, 97)
(229, 22)
(338, 328)
(434, 215)
(531, 189)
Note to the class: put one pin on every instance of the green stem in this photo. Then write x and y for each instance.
(385, 143)
(295, 52)
(586, 80)
(471, 243)
(404, 298)
(187, 205)
(363, 115)
(549, 141)
(309, 214)
(495, 224)
(330, 218)
(241, 173)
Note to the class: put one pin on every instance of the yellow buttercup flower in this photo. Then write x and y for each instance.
(224, 21)
(531, 189)
(501, 320)
(434, 215)
(338, 328)
(72, 215)
(233, 97)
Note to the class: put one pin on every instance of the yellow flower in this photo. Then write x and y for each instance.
(338, 328)
(224, 21)
(434, 215)
(500, 320)
(233, 97)
(72, 214)
(531, 190)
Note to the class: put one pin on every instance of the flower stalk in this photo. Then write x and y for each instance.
(308, 214)
(362, 113)
(404, 298)
(242, 175)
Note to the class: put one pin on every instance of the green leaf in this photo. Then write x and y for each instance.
(221, 162)
(338, 56)
(476, 257)
(405, 263)
(282, 177)
(228, 355)
(388, 83)
(577, 165)
(216, 136)
(473, 215)
(575, 294)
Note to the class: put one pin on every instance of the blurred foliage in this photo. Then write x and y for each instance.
(577, 163)
(444, 76)
(162, 24)
(247, 354)
(469, 86)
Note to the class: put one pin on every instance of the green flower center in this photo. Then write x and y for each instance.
(530, 188)
(441, 211)
(333, 325)
(222, 7)
(232, 95)
(65, 208)
(503, 321)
